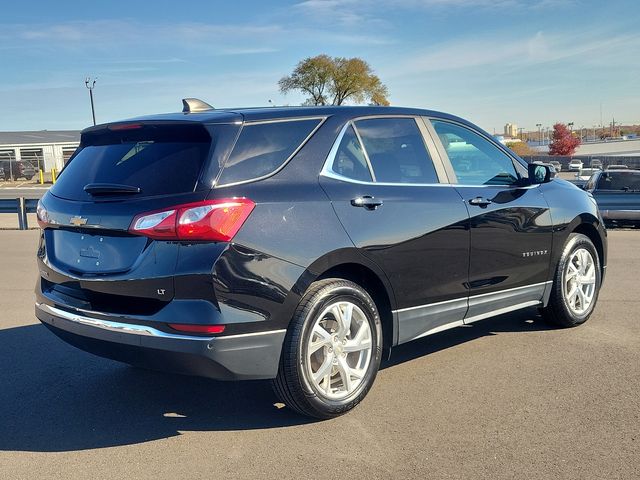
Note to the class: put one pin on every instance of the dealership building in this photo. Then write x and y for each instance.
(45, 149)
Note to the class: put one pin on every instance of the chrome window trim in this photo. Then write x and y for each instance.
(430, 146)
(285, 163)
(364, 150)
(481, 134)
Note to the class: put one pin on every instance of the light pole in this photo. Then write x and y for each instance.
(90, 84)
(571, 126)
(539, 125)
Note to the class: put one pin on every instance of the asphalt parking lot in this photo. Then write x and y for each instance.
(506, 398)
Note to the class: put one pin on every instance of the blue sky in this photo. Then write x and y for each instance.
(491, 61)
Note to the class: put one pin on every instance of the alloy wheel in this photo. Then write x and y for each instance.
(339, 350)
(579, 284)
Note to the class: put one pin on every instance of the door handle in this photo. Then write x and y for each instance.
(366, 201)
(480, 202)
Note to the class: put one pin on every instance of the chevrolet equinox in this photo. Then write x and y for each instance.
(301, 244)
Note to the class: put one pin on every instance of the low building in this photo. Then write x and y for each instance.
(45, 149)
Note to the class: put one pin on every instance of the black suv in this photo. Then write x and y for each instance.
(299, 244)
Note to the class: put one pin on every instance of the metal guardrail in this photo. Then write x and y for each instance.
(628, 160)
(21, 206)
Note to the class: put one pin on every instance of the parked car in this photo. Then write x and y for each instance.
(15, 170)
(1, 172)
(575, 165)
(299, 244)
(557, 165)
(595, 163)
(617, 193)
(617, 167)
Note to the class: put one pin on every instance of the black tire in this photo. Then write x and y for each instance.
(558, 312)
(28, 178)
(292, 385)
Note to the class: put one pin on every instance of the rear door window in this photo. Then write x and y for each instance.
(159, 160)
(396, 150)
(263, 147)
(349, 160)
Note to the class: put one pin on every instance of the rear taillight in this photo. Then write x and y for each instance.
(212, 220)
(42, 215)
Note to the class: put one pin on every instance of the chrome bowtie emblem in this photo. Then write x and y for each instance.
(77, 221)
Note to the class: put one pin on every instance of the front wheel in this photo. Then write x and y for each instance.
(576, 284)
(332, 351)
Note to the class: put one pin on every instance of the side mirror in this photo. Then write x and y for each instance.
(540, 173)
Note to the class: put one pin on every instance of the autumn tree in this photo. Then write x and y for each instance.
(522, 149)
(333, 81)
(563, 143)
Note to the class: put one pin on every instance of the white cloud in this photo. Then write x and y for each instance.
(513, 51)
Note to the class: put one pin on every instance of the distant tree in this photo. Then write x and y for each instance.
(563, 143)
(312, 76)
(522, 149)
(332, 81)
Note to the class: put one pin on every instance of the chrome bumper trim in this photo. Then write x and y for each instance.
(135, 329)
(129, 328)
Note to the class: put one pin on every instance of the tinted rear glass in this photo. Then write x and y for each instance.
(350, 161)
(262, 148)
(396, 150)
(619, 181)
(160, 160)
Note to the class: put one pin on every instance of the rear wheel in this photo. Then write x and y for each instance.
(576, 284)
(332, 351)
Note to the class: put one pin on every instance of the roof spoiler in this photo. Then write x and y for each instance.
(194, 105)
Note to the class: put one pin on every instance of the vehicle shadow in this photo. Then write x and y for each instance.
(55, 398)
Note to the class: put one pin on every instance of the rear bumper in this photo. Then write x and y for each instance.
(247, 356)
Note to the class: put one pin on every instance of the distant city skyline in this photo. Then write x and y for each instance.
(492, 61)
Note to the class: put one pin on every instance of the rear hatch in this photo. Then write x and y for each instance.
(119, 172)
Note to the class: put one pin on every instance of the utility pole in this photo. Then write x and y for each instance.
(90, 84)
(539, 125)
(613, 127)
(600, 114)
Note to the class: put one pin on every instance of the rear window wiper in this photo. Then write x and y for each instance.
(110, 189)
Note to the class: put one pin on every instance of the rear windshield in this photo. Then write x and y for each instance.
(264, 147)
(159, 160)
(619, 181)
